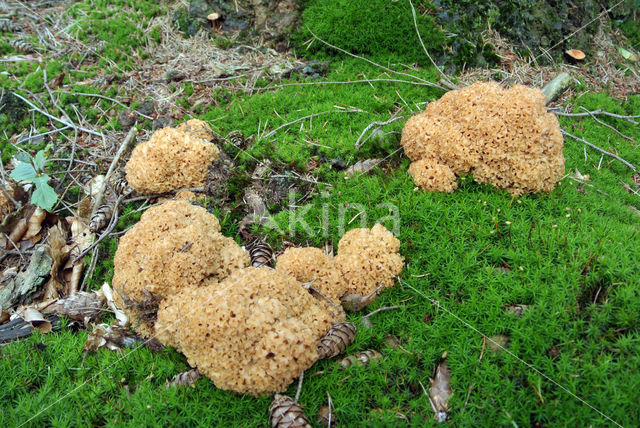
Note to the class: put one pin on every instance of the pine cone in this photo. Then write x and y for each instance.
(286, 413)
(362, 357)
(336, 340)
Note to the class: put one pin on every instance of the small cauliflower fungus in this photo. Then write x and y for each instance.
(368, 259)
(312, 266)
(254, 332)
(175, 245)
(504, 137)
(172, 158)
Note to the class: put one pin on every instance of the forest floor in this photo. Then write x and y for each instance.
(553, 278)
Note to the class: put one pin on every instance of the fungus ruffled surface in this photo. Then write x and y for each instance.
(175, 245)
(368, 259)
(253, 333)
(312, 266)
(173, 158)
(504, 137)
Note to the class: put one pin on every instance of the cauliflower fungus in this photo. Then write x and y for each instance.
(312, 265)
(250, 330)
(503, 137)
(172, 158)
(254, 332)
(368, 259)
(175, 245)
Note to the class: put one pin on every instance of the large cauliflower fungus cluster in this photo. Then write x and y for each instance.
(172, 158)
(503, 137)
(250, 330)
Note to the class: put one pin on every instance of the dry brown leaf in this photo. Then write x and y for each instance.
(187, 378)
(17, 233)
(440, 392)
(4, 316)
(122, 318)
(81, 239)
(113, 337)
(362, 166)
(34, 225)
(37, 320)
(59, 251)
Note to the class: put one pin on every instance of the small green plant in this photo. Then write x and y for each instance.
(31, 169)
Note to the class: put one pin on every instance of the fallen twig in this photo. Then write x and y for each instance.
(426, 82)
(446, 79)
(607, 125)
(345, 82)
(123, 147)
(603, 151)
(596, 112)
(57, 119)
(272, 133)
(365, 319)
(109, 99)
(299, 390)
(359, 142)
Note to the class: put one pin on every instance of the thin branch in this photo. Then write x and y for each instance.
(433, 85)
(596, 112)
(109, 99)
(386, 308)
(299, 390)
(57, 119)
(272, 133)
(359, 142)
(123, 147)
(415, 23)
(345, 82)
(604, 152)
(607, 125)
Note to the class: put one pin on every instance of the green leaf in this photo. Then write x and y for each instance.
(39, 161)
(23, 157)
(23, 172)
(44, 196)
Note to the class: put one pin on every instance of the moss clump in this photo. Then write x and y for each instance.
(375, 29)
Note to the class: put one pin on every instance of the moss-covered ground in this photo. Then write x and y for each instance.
(572, 359)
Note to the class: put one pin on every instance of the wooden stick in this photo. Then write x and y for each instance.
(123, 147)
(300, 379)
(270, 134)
(603, 151)
(445, 78)
(597, 112)
(426, 82)
(57, 119)
(359, 142)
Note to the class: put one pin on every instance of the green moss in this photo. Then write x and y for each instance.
(376, 29)
(631, 29)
